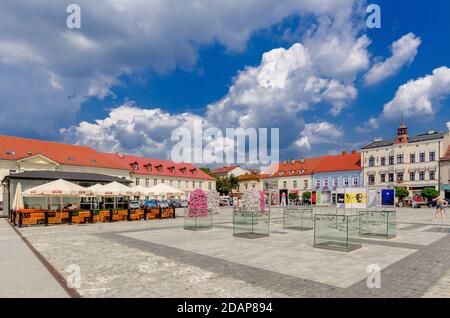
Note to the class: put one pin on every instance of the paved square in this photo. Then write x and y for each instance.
(159, 259)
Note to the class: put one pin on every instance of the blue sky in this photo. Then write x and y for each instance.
(125, 80)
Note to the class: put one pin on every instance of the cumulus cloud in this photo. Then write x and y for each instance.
(448, 125)
(404, 50)
(65, 67)
(372, 124)
(131, 129)
(420, 97)
(318, 133)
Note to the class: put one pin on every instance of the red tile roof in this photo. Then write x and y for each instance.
(341, 162)
(16, 148)
(224, 169)
(150, 166)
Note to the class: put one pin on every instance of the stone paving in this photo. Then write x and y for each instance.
(159, 259)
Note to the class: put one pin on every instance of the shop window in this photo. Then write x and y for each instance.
(432, 156)
(432, 175)
(412, 158)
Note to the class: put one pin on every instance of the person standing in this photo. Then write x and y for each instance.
(440, 204)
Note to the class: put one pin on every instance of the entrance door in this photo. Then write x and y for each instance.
(447, 195)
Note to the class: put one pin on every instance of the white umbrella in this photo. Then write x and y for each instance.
(57, 188)
(96, 189)
(141, 191)
(164, 189)
(18, 198)
(116, 189)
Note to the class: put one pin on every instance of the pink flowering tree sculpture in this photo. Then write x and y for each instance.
(262, 202)
(198, 204)
(213, 200)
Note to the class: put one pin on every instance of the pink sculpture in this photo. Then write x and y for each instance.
(198, 204)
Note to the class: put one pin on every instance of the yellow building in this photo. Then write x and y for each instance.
(410, 162)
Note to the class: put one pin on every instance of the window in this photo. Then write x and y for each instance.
(399, 177)
(149, 167)
(284, 184)
(383, 161)
(325, 183)
(246, 186)
(335, 182)
(412, 176)
(135, 166)
(391, 160)
(355, 182)
(318, 183)
(432, 175)
(421, 175)
(12, 171)
(147, 183)
(200, 185)
(371, 179)
(155, 182)
(179, 184)
(295, 184)
(209, 185)
(253, 186)
(371, 161)
(305, 184)
(137, 181)
(412, 158)
(346, 183)
(383, 177)
(422, 157)
(400, 158)
(193, 184)
(432, 156)
(186, 185)
(171, 183)
(391, 177)
(162, 181)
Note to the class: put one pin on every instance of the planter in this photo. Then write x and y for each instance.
(337, 232)
(251, 224)
(195, 220)
(378, 224)
(298, 219)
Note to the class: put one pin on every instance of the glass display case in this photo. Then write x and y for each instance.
(198, 219)
(298, 218)
(337, 232)
(378, 224)
(251, 224)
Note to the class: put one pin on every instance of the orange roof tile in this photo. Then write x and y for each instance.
(341, 162)
(224, 169)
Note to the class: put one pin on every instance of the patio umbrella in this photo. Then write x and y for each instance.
(96, 189)
(18, 198)
(141, 191)
(116, 189)
(164, 189)
(57, 188)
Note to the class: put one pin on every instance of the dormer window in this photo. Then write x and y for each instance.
(183, 170)
(71, 158)
(135, 166)
(149, 167)
(172, 169)
(194, 171)
(160, 168)
(93, 161)
(10, 152)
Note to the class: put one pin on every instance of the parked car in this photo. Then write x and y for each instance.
(151, 203)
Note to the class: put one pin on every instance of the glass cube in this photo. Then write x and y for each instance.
(198, 220)
(298, 219)
(378, 223)
(251, 224)
(337, 232)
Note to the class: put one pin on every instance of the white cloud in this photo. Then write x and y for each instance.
(448, 125)
(404, 50)
(420, 97)
(131, 129)
(318, 133)
(372, 124)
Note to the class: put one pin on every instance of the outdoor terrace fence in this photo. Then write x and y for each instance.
(251, 224)
(378, 224)
(198, 219)
(298, 218)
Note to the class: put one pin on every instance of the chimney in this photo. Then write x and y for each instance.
(353, 152)
(344, 152)
(302, 160)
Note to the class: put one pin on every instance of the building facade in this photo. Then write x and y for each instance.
(410, 162)
(19, 155)
(228, 171)
(445, 175)
(341, 171)
(249, 181)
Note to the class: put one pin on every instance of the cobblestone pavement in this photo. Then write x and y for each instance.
(159, 259)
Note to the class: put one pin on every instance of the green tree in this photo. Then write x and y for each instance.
(306, 195)
(225, 185)
(429, 193)
(401, 193)
(293, 196)
(206, 170)
(234, 183)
